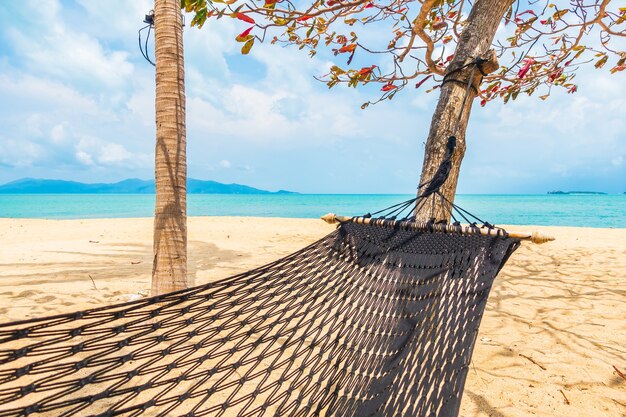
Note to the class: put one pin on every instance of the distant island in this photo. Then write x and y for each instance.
(129, 186)
(577, 192)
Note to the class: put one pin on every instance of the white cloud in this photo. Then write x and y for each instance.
(114, 153)
(42, 9)
(57, 127)
(95, 151)
(114, 19)
(246, 168)
(69, 55)
(141, 103)
(224, 163)
(31, 92)
(84, 158)
(19, 153)
(33, 122)
(58, 134)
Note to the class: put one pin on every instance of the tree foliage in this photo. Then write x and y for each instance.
(540, 45)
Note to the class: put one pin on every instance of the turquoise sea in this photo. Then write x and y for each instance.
(556, 210)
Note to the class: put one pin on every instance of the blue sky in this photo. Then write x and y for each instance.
(77, 103)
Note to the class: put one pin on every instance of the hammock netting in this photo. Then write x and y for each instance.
(368, 321)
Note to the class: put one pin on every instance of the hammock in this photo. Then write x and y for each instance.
(379, 318)
(375, 319)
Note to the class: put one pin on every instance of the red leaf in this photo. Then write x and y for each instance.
(368, 6)
(483, 102)
(556, 74)
(388, 87)
(367, 70)
(245, 18)
(303, 18)
(525, 12)
(419, 84)
(528, 62)
(245, 32)
(347, 48)
(618, 68)
(439, 25)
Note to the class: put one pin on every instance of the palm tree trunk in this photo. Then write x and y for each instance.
(475, 41)
(169, 270)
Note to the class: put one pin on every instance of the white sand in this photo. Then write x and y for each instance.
(553, 332)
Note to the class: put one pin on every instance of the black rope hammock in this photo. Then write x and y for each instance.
(374, 319)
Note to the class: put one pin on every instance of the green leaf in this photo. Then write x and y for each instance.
(308, 33)
(200, 18)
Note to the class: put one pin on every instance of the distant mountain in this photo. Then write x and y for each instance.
(129, 186)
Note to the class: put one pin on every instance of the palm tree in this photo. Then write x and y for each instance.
(169, 270)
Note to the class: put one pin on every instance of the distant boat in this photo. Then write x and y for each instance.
(578, 192)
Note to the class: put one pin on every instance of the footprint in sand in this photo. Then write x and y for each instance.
(46, 299)
(28, 293)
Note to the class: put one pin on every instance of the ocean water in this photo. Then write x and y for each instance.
(555, 210)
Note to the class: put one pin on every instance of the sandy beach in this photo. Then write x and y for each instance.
(552, 341)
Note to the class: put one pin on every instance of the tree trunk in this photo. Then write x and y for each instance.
(169, 270)
(475, 41)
